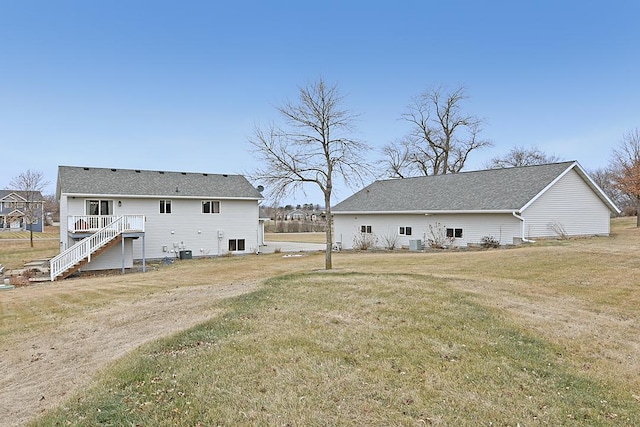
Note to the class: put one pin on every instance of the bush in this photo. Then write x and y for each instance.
(437, 237)
(489, 242)
(364, 241)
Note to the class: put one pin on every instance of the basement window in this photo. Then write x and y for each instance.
(405, 231)
(210, 206)
(165, 206)
(454, 232)
(365, 229)
(236, 245)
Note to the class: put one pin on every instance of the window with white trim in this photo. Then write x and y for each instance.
(210, 206)
(236, 245)
(165, 206)
(454, 232)
(405, 231)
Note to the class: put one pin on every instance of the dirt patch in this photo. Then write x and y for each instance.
(39, 371)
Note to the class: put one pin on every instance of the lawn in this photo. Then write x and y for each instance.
(544, 334)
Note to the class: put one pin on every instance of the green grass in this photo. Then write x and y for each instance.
(352, 349)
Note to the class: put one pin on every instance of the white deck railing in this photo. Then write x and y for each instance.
(115, 226)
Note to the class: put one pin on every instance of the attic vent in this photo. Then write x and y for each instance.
(225, 175)
(86, 169)
(205, 174)
(137, 171)
(113, 170)
(184, 173)
(161, 172)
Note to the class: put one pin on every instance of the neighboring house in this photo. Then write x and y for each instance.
(510, 205)
(131, 215)
(15, 207)
(296, 215)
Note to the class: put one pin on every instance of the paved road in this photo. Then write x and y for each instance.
(270, 247)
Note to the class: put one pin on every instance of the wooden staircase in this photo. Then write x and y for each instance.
(84, 261)
(81, 253)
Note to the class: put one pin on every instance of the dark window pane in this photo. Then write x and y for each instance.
(449, 232)
(408, 231)
(241, 244)
(232, 245)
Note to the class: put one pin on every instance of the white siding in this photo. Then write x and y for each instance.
(112, 258)
(504, 227)
(186, 227)
(570, 203)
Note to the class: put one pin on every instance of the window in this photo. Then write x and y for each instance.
(406, 231)
(454, 232)
(165, 206)
(99, 207)
(210, 206)
(236, 245)
(365, 229)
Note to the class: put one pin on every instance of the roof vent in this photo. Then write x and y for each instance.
(184, 173)
(113, 170)
(160, 172)
(225, 175)
(86, 169)
(137, 170)
(205, 174)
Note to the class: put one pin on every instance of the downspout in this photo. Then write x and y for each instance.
(524, 239)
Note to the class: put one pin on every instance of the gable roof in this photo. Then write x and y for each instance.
(136, 182)
(20, 195)
(493, 190)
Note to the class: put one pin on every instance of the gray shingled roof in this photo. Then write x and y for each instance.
(136, 182)
(488, 190)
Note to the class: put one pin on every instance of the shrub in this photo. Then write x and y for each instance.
(364, 241)
(437, 236)
(489, 242)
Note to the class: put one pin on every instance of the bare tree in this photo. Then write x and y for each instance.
(605, 178)
(30, 184)
(441, 137)
(521, 156)
(626, 167)
(313, 146)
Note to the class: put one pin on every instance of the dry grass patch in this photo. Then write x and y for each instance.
(351, 349)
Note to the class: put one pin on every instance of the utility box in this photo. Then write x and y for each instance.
(415, 245)
(186, 255)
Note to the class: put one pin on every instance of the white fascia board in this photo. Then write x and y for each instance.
(551, 184)
(148, 196)
(14, 195)
(448, 212)
(583, 174)
(595, 187)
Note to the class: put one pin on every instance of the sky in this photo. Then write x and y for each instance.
(181, 85)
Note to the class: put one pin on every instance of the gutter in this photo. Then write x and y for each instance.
(524, 239)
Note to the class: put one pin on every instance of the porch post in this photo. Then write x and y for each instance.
(144, 267)
(122, 246)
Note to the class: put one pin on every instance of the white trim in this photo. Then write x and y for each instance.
(429, 212)
(159, 196)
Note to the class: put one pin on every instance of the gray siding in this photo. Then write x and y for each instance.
(571, 204)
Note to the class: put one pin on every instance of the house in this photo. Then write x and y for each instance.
(508, 205)
(296, 215)
(21, 210)
(113, 217)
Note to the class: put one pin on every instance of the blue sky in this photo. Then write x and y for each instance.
(179, 85)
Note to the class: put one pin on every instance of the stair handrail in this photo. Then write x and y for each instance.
(89, 245)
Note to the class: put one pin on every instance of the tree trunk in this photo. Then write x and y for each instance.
(328, 232)
(31, 235)
(638, 214)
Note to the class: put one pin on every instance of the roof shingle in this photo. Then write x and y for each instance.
(136, 182)
(486, 190)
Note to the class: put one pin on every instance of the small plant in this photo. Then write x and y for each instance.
(390, 240)
(559, 229)
(364, 241)
(489, 242)
(277, 250)
(437, 236)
